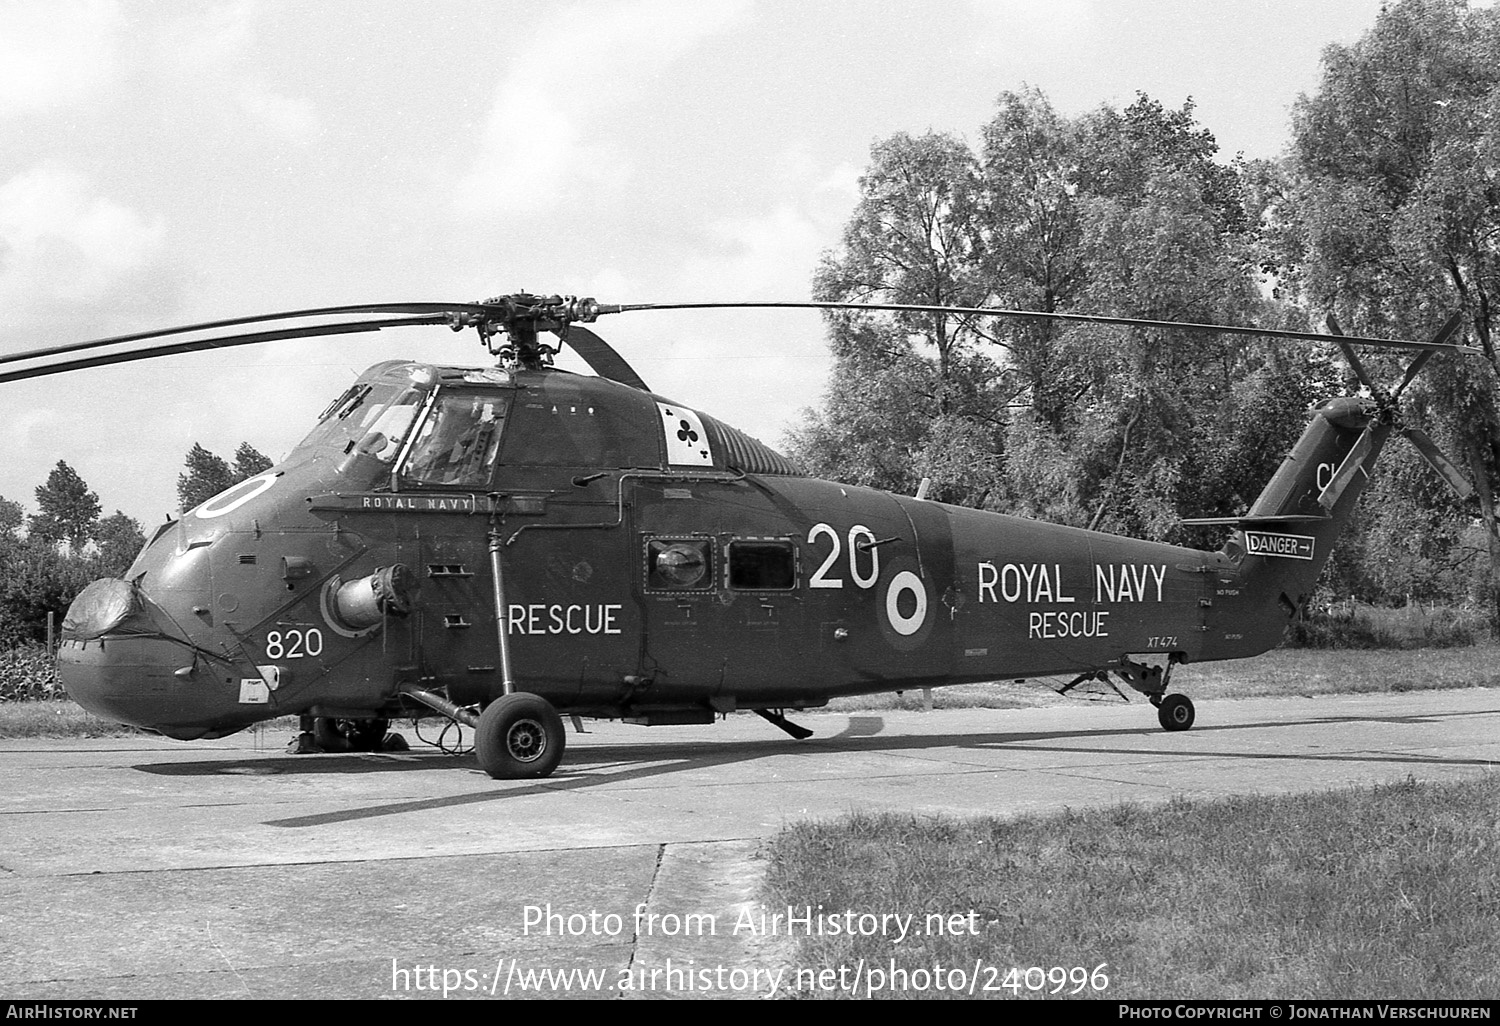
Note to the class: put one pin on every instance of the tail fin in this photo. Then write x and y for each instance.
(1285, 540)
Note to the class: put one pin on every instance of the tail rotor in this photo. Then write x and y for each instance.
(1386, 416)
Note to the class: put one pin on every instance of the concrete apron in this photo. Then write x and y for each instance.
(144, 868)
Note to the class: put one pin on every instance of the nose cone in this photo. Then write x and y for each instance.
(100, 608)
(117, 662)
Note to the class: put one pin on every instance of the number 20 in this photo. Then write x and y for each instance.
(820, 578)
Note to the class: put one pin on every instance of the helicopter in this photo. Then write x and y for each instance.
(501, 546)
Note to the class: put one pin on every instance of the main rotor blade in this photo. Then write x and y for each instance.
(325, 311)
(1445, 467)
(1038, 315)
(1353, 464)
(223, 342)
(601, 356)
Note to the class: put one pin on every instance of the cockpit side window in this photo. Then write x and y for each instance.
(456, 444)
(373, 417)
(382, 428)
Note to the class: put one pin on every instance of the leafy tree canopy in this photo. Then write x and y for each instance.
(120, 539)
(1117, 211)
(67, 510)
(207, 474)
(12, 516)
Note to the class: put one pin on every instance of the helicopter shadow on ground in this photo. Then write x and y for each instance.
(345, 763)
(587, 769)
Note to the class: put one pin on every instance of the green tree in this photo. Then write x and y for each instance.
(12, 516)
(67, 510)
(207, 474)
(36, 579)
(120, 539)
(1117, 212)
(249, 461)
(1115, 427)
(1032, 231)
(910, 394)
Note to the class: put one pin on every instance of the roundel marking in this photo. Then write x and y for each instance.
(235, 496)
(905, 581)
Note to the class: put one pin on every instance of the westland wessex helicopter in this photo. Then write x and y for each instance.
(502, 546)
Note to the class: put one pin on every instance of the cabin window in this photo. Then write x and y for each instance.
(456, 444)
(769, 565)
(679, 564)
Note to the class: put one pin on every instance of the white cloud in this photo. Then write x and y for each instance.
(580, 63)
(1052, 17)
(29, 428)
(761, 256)
(773, 255)
(293, 118)
(226, 31)
(205, 53)
(61, 243)
(55, 54)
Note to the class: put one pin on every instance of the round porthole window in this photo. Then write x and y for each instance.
(681, 565)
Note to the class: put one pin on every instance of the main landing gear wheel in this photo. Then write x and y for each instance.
(342, 735)
(1175, 712)
(519, 736)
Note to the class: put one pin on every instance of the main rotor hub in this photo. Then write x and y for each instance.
(521, 317)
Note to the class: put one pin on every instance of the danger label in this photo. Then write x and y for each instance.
(1286, 546)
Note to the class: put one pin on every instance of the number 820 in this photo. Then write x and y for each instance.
(294, 644)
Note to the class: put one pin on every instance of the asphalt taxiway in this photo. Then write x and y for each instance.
(144, 868)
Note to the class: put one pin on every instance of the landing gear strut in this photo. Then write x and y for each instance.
(776, 719)
(339, 735)
(1175, 712)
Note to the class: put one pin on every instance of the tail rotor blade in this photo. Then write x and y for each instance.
(1445, 467)
(1444, 334)
(1449, 329)
(1411, 372)
(1353, 464)
(1351, 356)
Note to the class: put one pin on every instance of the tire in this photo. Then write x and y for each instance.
(519, 737)
(1175, 712)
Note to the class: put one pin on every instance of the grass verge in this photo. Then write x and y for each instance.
(1392, 892)
(56, 718)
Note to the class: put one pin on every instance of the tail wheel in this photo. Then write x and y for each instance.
(520, 736)
(1175, 712)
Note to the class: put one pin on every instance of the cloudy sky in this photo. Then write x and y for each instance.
(169, 162)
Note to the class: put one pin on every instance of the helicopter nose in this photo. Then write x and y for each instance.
(117, 662)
